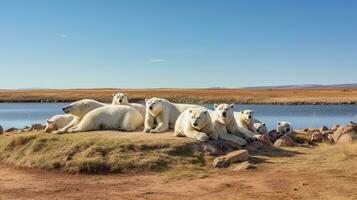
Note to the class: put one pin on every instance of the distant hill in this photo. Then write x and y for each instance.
(307, 86)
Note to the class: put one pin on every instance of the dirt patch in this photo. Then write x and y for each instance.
(323, 172)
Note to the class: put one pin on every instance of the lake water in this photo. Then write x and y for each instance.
(301, 116)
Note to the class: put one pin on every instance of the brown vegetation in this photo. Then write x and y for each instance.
(166, 167)
(268, 96)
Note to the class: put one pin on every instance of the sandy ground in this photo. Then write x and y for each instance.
(312, 173)
(268, 96)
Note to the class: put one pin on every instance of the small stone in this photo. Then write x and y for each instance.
(237, 156)
(304, 184)
(284, 141)
(316, 137)
(36, 126)
(11, 129)
(244, 166)
(220, 163)
(335, 127)
(323, 128)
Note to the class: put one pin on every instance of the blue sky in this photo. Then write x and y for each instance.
(151, 43)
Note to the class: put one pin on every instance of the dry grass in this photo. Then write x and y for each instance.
(100, 152)
(269, 96)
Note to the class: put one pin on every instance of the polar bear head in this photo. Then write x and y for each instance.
(155, 105)
(247, 116)
(284, 127)
(120, 99)
(224, 112)
(261, 128)
(199, 118)
(82, 107)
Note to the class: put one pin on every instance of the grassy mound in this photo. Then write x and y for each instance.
(100, 152)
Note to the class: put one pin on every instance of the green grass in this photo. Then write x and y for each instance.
(95, 153)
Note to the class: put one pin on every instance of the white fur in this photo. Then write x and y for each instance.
(122, 99)
(110, 117)
(79, 109)
(245, 120)
(261, 128)
(164, 113)
(225, 124)
(284, 128)
(195, 123)
(60, 120)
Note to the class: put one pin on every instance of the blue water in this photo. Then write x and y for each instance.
(302, 116)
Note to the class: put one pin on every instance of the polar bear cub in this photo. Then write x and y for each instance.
(122, 99)
(260, 128)
(224, 123)
(164, 113)
(245, 121)
(284, 128)
(60, 120)
(195, 123)
(78, 109)
(110, 117)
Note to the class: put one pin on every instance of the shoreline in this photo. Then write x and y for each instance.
(316, 96)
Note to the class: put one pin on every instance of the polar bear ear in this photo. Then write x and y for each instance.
(190, 111)
(205, 112)
(159, 100)
(146, 99)
(232, 105)
(263, 124)
(279, 123)
(113, 94)
(242, 111)
(215, 106)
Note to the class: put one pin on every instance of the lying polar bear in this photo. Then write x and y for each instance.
(225, 124)
(284, 128)
(122, 99)
(78, 109)
(59, 121)
(245, 121)
(195, 123)
(164, 113)
(110, 117)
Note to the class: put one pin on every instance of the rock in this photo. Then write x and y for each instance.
(316, 137)
(11, 130)
(335, 127)
(323, 128)
(36, 126)
(284, 141)
(265, 139)
(1, 130)
(232, 157)
(342, 130)
(220, 163)
(345, 139)
(237, 156)
(244, 166)
(51, 127)
(253, 146)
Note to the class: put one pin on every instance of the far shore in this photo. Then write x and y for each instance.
(315, 96)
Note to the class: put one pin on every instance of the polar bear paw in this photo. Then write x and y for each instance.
(202, 137)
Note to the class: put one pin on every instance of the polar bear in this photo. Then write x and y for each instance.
(78, 109)
(164, 113)
(195, 123)
(122, 99)
(110, 117)
(225, 124)
(245, 121)
(284, 128)
(261, 128)
(60, 120)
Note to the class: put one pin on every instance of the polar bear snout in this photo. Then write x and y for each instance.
(66, 109)
(224, 114)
